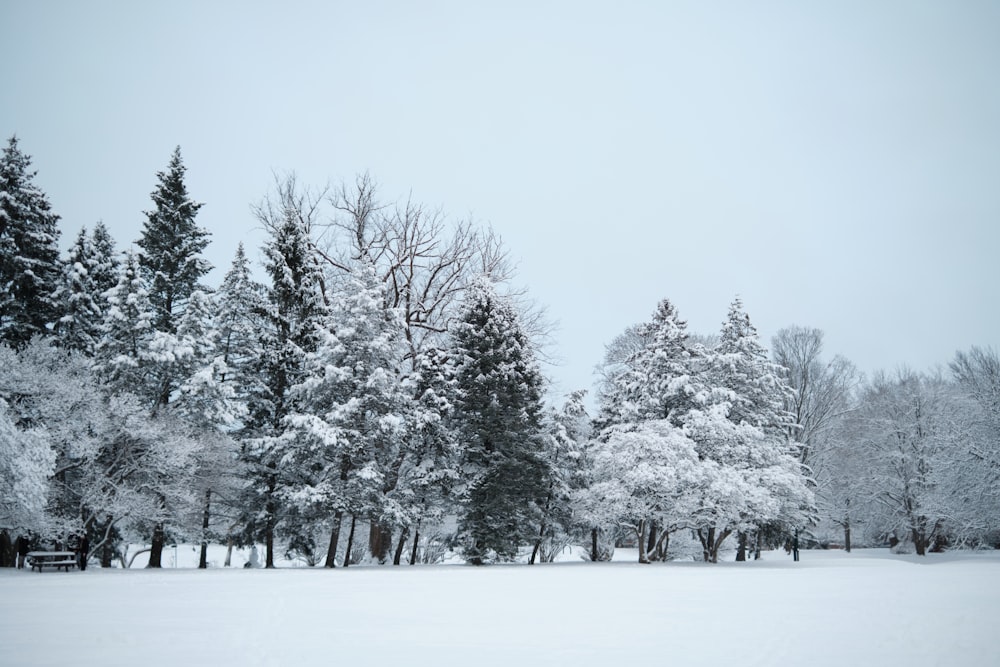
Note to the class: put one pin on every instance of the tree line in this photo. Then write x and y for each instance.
(379, 396)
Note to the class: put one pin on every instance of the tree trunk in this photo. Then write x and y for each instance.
(331, 551)
(379, 540)
(718, 544)
(661, 546)
(641, 532)
(594, 551)
(416, 540)
(706, 540)
(229, 551)
(203, 558)
(396, 557)
(847, 536)
(350, 541)
(651, 543)
(538, 544)
(919, 542)
(741, 551)
(270, 518)
(156, 546)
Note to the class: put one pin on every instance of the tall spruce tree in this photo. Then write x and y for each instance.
(29, 255)
(121, 355)
(171, 246)
(741, 365)
(106, 263)
(80, 312)
(499, 402)
(351, 414)
(293, 311)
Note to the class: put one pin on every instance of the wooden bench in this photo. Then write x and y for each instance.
(56, 559)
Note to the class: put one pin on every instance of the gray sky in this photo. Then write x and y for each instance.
(836, 164)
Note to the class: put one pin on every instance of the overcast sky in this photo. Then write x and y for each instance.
(836, 164)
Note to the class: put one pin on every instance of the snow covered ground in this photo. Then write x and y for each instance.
(831, 608)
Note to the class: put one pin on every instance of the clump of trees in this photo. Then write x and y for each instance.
(378, 396)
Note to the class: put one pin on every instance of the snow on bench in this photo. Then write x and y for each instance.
(56, 559)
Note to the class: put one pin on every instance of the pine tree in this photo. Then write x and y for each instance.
(78, 326)
(499, 403)
(742, 365)
(106, 265)
(171, 246)
(239, 306)
(292, 315)
(351, 410)
(121, 357)
(29, 254)
(662, 378)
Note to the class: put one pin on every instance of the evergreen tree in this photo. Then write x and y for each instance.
(80, 314)
(741, 365)
(239, 306)
(106, 265)
(171, 246)
(121, 357)
(351, 411)
(292, 315)
(661, 378)
(499, 400)
(29, 253)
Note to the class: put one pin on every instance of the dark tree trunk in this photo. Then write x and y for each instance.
(379, 541)
(595, 552)
(416, 541)
(396, 557)
(847, 536)
(7, 557)
(229, 551)
(203, 558)
(269, 523)
(641, 533)
(741, 551)
(710, 543)
(331, 551)
(107, 554)
(156, 547)
(706, 537)
(651, 543)
(538, 544)
(919, 542)
(350, 541)
(660, 548)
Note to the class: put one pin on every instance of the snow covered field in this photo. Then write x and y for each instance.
(864, 608)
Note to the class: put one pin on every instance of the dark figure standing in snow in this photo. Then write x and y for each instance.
(83, 549)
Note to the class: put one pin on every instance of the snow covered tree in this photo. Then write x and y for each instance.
(822, 391)
(915, 440)
(348, 435)
(646, 477)
(568, 430)
(126, 331)
(293, 314)
(106, 264)
(29, 252)
(757, 396)
(239, 308)
(740, 364)
(430, 470)
(661, 378)
(171, 244)
(26, 463)
(78, 298)
(499, 404)
(424, 261)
